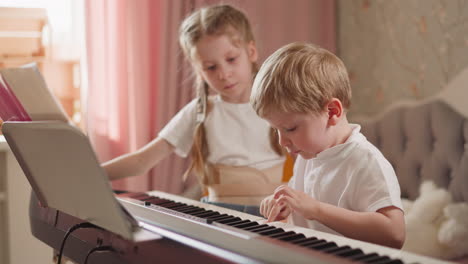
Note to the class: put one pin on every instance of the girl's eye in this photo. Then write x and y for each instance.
(210, 68)
(232, 59)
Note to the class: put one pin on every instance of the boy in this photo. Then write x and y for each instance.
(342, 184)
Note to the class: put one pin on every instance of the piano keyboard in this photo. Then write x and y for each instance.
(250, 239)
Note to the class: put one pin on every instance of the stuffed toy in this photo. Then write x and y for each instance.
(454, 230)
(434, 225)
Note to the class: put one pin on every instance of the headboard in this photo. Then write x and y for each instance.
(423, 141)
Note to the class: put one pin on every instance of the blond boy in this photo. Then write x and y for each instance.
(342, 184)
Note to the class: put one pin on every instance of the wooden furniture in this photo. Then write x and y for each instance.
(23, 41)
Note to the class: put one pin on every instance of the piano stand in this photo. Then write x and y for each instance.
(50, 226)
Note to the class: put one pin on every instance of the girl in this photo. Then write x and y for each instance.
(234, 153)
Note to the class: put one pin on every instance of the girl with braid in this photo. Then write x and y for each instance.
(234, 153)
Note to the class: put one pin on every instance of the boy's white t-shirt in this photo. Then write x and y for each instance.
(236, 135)
(354, 175)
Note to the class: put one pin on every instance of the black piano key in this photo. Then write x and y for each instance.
(240, 223)
(180, 207)
(235, 222)
(246, 225)
(323, 246)
(390, 261)
(172, 205)
(366, 257)
(255, 227)
(219, 217)
(192, 210)
(350, 253)
(336, 249)
(206, 214)
(298, 241)
(261, 228)
(158, 201)
(284, 234)
(311, 242)
(271, 232)
(293, 238)
(377, 259)
(229, 220)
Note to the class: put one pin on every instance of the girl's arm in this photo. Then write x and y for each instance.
(140, 161)
(385, 227)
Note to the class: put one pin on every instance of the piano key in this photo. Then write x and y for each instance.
(271, 232)
(391, 261)
(312, 241)
(230, 220)
(304, 240)
(323, 246)
(260, 228)
(240, 223)
(364, 258)
(219, 217)
(377, 259)
(350, 253)
(235, 222)
(246, 225)
(336, 249)
(192, 209)
(283, 234)
(394, 256)
(293, 238)
(206, 214)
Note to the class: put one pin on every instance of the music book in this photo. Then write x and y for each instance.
(62, 168)
(24, 96)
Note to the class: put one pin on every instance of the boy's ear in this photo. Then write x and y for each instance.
(335, 111)
(252, 51)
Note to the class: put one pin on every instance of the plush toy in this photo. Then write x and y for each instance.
(435, 226)
(454, 230)
(423, 219)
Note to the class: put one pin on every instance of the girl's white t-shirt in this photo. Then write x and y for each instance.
(236, 135)
(354, 175)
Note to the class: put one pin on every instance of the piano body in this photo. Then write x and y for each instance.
(193, 232)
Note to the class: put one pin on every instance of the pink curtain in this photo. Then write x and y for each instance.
(138, 78)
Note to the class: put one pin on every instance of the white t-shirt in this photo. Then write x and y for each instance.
(236, 135)
(353, 175)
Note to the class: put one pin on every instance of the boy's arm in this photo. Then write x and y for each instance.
(140, 161)
(384, 227)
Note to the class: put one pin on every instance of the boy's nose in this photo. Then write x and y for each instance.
(283, 140)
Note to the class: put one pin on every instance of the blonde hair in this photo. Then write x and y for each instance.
(300, 78)
(212, 20)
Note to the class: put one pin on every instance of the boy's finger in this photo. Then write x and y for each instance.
(274, 213)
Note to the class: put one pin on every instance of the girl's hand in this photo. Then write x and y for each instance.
(297, 201)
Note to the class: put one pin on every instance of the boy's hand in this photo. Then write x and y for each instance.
(273, 211)
(294, 200)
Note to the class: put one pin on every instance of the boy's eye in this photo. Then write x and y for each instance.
(232, 59)
(290, 129)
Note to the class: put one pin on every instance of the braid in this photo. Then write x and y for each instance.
(199, 151)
